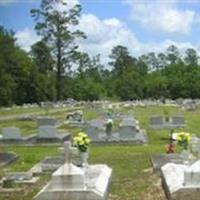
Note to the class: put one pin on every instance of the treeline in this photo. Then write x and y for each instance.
(55, 69)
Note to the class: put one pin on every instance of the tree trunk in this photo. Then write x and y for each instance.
(59, 68)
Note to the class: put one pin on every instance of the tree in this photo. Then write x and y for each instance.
(162, 60)
(173, 55)
(121, 60)
(56, 25)
(7, 83)
(191, 57)
(42, 57)
(152, 61)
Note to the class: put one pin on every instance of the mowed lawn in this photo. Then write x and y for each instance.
(133, 178)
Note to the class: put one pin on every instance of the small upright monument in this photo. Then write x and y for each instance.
(71, 182)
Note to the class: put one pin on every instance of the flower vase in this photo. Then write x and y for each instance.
(108, 130)
(185, 154)
(84, 158)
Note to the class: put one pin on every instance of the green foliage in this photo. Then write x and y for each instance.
(42, 76)
(58, 30)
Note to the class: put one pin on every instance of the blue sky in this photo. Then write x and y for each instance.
(141, 25)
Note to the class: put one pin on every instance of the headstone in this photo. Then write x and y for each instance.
(129, 121)
(178, 121)
(181, 181)
(96, 130)
(70, 182)
(159, 122)
(47, 132)
(127, 132)
(50, 134)
(11, 133)
(100, 124)
(159, 160)
(156, 122)
(94, 134)
(18, 176)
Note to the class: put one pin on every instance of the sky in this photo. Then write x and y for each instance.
(141, 25)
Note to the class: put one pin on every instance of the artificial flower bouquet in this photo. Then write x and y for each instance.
(82, 142)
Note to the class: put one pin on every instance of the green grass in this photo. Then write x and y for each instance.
(28, 156)
(132, 177)
(21, 110)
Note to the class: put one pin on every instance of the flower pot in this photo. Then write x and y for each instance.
(185, 154)
(84, 158)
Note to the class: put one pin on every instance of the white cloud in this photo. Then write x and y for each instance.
(103, 35)
(69, 4)
(165, 16)
(26, 38)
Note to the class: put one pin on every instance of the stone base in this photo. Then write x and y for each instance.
(7, 158)
(159, 160)
(176, 184)
(96, 182)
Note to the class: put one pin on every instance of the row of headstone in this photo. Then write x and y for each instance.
(128, 131)
(13, 134)
(158, 122)
(46, 133)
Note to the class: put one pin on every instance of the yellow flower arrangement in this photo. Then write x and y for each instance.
(81, 141)
(183, 139)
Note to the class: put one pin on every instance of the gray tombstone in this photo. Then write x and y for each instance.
(93, 134)
(18, 176)
(47, 132)
(50, 134)
(156, 122)
(100, 124)
(127, 132)
(131, 122)
(96, 130)
(178, 121)
(11, 133)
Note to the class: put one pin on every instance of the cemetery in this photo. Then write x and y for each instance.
(40, 166)
(99, 100)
